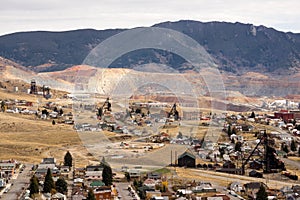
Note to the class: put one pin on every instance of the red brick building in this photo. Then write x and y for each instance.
(284, 115)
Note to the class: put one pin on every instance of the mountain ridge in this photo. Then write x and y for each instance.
(235, 47)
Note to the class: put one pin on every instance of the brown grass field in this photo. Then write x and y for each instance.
(26, 139)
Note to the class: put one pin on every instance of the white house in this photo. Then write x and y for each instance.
(2, 182)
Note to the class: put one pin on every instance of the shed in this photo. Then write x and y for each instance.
(187, 159)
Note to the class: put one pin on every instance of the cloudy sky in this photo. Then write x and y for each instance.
(58, 15)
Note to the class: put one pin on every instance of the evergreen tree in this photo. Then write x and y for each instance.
(91, 195)
(61, 186)
(34, 186)
(55, 109)
(262, 194)
(49, 183)
(179, 136)
(138, 110)
(3, 106)
(222, 151)
(135, 183)
(103, 162)
(233, 131)
(229, 131)
(293, 146)
(284, 147)
(252, 115)
(238, 146)
(127, 175)
(68, 159)
(164, 188)
(107, 175)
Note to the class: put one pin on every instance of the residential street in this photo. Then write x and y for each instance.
(123, 192)
(19, 184)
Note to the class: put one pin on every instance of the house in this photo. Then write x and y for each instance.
(103, 193)
(93, 172)
(2, 182)
(286, 190)
(79, 172)
(8, 168)
(89, 175)
(294, 196)
(184, 191)
(204, 187)
(291, 193)
(285, 137)
(150, 183)
(219, 196)
(254, 173)
(134, 173)
(152, 194)
(154, 175)
(296, 189)
(94, 168)
(158, 198)
(40, 173)
(97, 184)
(187, 159)
(78, 182)
(252, 188)
(58, 196)
(255, 165)
(229, 165)
(48, 161)
(236, 187)
(64, 169)
(284, 115)
(167, 195)
(78, 197)
(281, 153)
(46, 166)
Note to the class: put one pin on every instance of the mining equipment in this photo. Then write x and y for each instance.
(34, 90)
(173, 115)
(46, 92)
(105, 116)
(33, 87)
(139, 113)
(271, 162)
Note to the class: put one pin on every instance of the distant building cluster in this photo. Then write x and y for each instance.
(281, 104)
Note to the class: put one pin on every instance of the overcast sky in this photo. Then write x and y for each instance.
(58, 15)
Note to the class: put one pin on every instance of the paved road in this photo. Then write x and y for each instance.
(19, 184)
(123, 192)
(69, 180)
